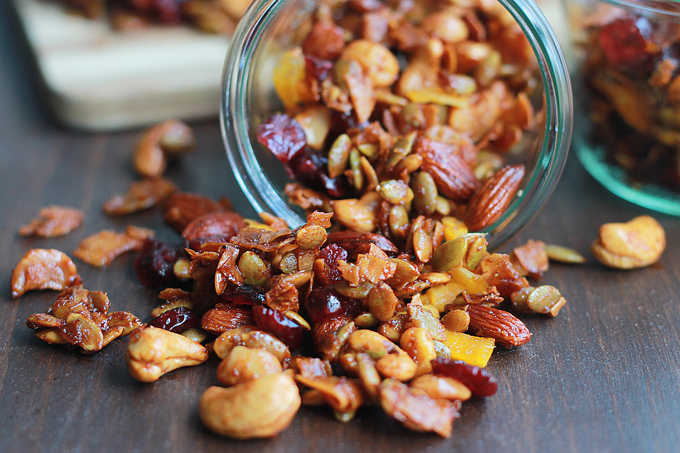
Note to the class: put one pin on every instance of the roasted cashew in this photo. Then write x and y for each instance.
(250, 337)
(153, 352)
(418, 343)
(390, 359)
(261, 407)
(442, 387)
(243, 364)
(173, 137)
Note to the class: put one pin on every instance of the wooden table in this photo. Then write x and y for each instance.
(602, 376)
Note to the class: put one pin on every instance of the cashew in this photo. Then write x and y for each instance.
(391, 360)
(250, 337)
(442, 387)
(637, 243)
(243, 364)
(154, 352)
(173, 137)
(376, 60)
(258, 408)
(418, 343)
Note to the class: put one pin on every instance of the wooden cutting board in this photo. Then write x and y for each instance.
(96, 78)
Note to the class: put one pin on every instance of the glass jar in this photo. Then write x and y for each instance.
(271, 27)
(627, 132)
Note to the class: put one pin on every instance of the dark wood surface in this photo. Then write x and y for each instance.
(602, 376)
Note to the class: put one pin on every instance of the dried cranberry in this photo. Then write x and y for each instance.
(338, 187)
(341, 122)
(277, 324)
(155, 262)
(307, 166)
(623, 43)
(177, 320)
(331, 254)
(326, 303)
(477, 379)
(282, 135)
(318, 68)
(244, 295)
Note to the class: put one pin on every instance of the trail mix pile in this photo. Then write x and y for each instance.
(312, 315)
(630, 67)
(211, 16)
(395, 110)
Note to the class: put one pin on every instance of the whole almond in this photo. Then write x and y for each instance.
(488, 203)
(500, 325)
(452, 174)
(226, 317)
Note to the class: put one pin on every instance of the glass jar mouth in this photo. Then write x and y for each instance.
(538, 185)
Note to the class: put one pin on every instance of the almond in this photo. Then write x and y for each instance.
(452, 174)
(488, 203)
(500, 325)
(226, 317)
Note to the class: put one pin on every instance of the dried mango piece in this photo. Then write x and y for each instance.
(468, 348)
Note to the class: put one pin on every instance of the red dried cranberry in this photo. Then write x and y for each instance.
(331, 254)
(318, 68)
(244, 295)
(326, 303)
(282, 135)
(177, 320)
(338, 187)
(277, 324)
(623, 43)
(307, 166)
(341, 122)
(155, 262)
(477, 379)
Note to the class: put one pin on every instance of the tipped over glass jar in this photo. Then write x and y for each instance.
(628, 111)
(391, 111)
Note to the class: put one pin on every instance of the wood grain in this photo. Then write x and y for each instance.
(602, 376)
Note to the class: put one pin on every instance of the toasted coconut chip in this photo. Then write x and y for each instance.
(53, 221)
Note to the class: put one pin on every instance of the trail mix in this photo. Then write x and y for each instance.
(313, 315)
(630, 69)
(342, 318)
(211, 16)
(397, 110)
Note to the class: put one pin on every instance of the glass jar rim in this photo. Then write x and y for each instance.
(550, 159)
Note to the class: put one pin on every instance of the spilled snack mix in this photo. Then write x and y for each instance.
(346, 318)
(396, 128)
(394, 112)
